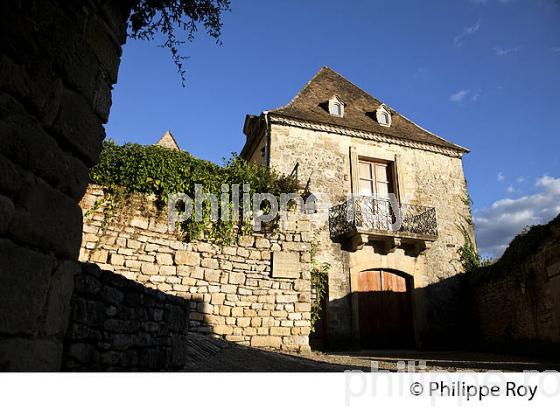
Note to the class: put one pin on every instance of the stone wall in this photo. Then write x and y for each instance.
(520, 311)
(117, 324)
(425, 177)
(234, 291)
(58, 62)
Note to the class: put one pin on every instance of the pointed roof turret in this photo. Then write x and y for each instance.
(168, 141)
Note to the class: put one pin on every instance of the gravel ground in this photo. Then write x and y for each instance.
(214, 355)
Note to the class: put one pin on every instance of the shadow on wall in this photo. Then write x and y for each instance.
(448, 322)
(441, 313)
(499, 316)
(59, 60)
(118, 324)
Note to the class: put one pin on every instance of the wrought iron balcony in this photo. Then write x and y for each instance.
(362, 218)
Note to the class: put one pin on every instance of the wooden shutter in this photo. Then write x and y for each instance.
(354, 170)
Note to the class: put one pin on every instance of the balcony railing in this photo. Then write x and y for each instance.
(367, 214)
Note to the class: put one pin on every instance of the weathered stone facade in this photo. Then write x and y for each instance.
(117, 324)
(425, 178)
(234, 291)
(58, 62)
(429, 175)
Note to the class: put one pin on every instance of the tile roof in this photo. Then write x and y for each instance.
(311, 104)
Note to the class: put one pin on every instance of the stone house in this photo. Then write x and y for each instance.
(339, 141)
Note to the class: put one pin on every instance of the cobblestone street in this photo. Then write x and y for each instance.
(214, 355)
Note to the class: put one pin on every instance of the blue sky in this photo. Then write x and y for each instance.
(481, 73)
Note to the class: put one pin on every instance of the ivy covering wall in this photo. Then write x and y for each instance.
(125, 170)
(512, 262)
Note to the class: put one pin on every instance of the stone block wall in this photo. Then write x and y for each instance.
(58, 62)
(234, 292)
(117, 324)
(521, 312)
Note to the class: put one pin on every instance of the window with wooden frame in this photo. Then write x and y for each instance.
(376, 178)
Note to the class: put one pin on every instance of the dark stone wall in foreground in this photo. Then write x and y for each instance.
(519, 310)
(58, 63)
(512, 306)
(117, 324)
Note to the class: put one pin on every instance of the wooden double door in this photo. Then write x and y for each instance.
(385, 310)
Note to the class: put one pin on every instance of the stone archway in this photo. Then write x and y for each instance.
(397, 262)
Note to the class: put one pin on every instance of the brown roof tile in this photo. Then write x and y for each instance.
(310, 104)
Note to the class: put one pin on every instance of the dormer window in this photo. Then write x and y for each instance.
(383, 116)
(336, 106)
(337, 109)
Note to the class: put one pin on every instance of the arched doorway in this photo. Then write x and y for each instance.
(385, 309)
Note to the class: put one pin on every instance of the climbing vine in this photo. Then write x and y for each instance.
(319, 283)
(468, 256)
(131, 169)
(319, 280)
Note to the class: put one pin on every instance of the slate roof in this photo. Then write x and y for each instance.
(311, 104)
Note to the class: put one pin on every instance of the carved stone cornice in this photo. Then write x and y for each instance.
(276, 119)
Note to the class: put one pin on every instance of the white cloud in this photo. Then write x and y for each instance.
(497, 225)
(520, 180)
(550, 183)
(459, 96)
(510, 189)
(469, 31)
(476, 95)
(500, 177)
(465, 95)
(503, 52)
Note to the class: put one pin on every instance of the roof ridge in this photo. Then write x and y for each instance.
(295, 97)
(355, 85)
